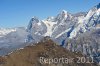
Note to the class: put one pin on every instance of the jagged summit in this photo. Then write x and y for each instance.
(34, 19)
(96, 7)
(63, 12)
(62, 15)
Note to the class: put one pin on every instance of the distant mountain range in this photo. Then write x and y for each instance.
(78, 32)
(64, 25)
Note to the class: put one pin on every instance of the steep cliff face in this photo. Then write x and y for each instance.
(87, 43)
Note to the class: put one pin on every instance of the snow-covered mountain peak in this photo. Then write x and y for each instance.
(62, 15)
(93, 14)
(5, 31)
(33, 22)
(34, 19)
(95, 8)
(64, 12)
(49, 19)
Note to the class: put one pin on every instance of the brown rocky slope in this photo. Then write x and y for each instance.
(30, 56)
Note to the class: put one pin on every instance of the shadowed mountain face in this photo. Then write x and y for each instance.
(47, 49)
(87, 43)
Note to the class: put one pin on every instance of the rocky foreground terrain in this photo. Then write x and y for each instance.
(47, 49)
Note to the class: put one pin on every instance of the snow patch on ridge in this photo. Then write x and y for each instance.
(49, 27)
(62, 33)
(4, 32)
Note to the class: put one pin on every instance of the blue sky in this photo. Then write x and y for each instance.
(16, 13)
